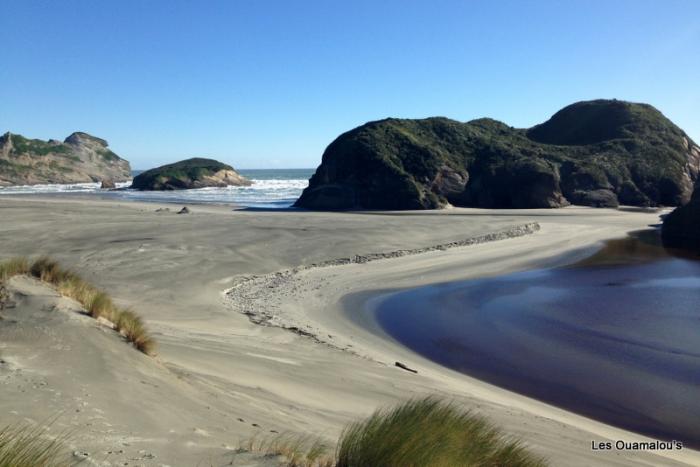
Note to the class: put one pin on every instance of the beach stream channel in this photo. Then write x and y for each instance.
(614, 337)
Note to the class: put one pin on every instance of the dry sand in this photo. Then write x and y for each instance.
(219, 378)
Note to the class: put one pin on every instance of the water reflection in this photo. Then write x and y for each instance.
(639, 247)
(615, 337)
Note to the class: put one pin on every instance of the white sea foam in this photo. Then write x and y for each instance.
(56, 188)
(264, 192)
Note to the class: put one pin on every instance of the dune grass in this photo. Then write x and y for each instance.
(24, 446)
(298, 450)
(418, 433)
(13, 267)
(97, 303)
(429, 432)
(131, 326)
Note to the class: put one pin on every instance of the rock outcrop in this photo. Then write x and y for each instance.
(681, 228)
(108, 184)
(80, 158)
(190, 173)
(596, 153)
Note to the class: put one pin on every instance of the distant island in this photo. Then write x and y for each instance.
(80, 158)
(598, 153)
(191, 173)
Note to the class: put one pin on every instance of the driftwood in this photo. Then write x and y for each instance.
(404, 367)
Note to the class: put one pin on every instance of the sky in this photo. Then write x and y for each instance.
(269, 84)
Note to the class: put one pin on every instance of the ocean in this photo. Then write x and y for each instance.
(271, 189)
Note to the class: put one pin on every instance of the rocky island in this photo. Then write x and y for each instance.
(598, 153)
(191, 173)
(80, 158)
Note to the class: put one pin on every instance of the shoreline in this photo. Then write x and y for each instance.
(528, 332)
(357, 309)
(279, 186)
(368, 301)
(241, 298)
(222, 379)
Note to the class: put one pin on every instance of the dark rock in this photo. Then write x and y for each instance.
(681, 228)
(597, 153)
(525, 184)
(108, 184)
(600, 198)
(184, 210)
(628, 194)
(187, 174)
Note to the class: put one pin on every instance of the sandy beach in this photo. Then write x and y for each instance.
(263, 323)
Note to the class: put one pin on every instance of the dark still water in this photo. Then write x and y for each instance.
(615, 337)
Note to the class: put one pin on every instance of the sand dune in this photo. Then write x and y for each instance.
(218, 374)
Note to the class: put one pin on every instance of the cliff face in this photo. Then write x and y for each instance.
(596, 153)
(80, 158)
(190, 173)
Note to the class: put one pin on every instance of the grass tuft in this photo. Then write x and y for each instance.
(13, 267)
(96, 302)
(100, 306)
(131, 326)
(298, 451)
(48, 270)
(429, 432)
(24, 446)
(423, 432)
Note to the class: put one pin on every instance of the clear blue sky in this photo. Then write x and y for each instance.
(269, 84)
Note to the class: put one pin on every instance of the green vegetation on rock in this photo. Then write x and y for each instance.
(79, 158)
(191, 173)
(108, 154)
(36, 146)
(596, 153)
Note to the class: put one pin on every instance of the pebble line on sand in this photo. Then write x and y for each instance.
(251, 295)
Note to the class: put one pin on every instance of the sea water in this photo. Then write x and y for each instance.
(271, 188)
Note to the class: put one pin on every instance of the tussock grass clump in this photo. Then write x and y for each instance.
(417, 433)
(96, 302)
(78, 289)
(23, 446)
(100, 305)
(13, 267)
(428, 432)
(299, 451)
(131, 326)
(49, 271)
